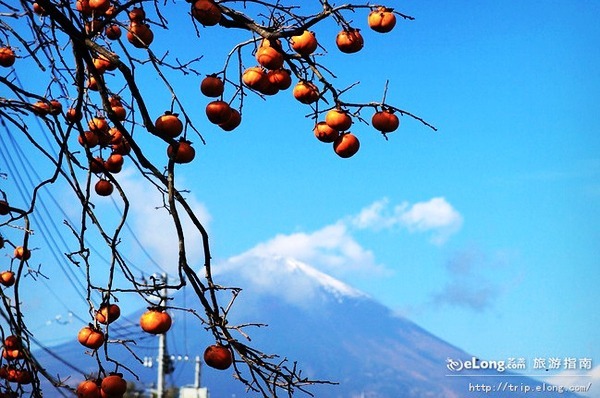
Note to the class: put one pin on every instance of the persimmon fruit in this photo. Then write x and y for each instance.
(90, 337)
(38, 9)
(114, 163)
(20, 376)
(41, 108)
(73, 115)
(83, 6)
(181, 152)
(155, 321)
(346, 145)
(169, 124)
(99, 6)
(113, 32)
(212, 86)
(102, 64)
(104, 188)
(325, 133)
(119, 112)
(13, 348)
(21, 253)
(88, 138)
(113, 385)
(218, 112)
(55, 107)
(12, 354)
(280, 78)
(234, 121)
(139, 34)
(385, 121)
(92, 84)
(7, 278)
(349, 41)
(218, 356)
(97, 165)
(269, 57)
(88, 389)
(382, 20)
(120, 146)
(4, 208)
(305, 43)
(137, 14)
(98, 125)
(207, 12)
(13, 342)
(254, 77)
(108, 313)
(306, 92)
(338, 119)
(7, 57)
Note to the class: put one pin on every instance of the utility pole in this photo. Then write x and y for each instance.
(197, 373)
(165, 362)
(195, 391)
(162, 348)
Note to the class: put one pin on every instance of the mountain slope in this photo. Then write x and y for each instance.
(332, 330)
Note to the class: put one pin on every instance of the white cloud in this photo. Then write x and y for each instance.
(331, 248)
(372, 216)
(154, 227)
(335, 250)
(436, 216)
(296, 267)
(289, 279)
(437, 213)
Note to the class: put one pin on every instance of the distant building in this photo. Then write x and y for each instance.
(193, 392)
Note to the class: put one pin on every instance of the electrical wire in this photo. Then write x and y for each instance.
(50, 232)
(47, 235)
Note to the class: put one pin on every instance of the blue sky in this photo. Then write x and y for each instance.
(512, 89)
(486, 233)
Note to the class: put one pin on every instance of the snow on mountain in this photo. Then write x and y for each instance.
(329, 283)
(295, 281)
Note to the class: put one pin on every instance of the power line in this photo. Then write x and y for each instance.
(47, 236)
(54, 240)
(55, 356)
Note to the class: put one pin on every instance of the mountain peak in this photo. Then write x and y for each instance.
(327, 282)
(293, 280)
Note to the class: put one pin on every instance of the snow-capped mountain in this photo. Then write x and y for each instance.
(333, 331)
(288, 278)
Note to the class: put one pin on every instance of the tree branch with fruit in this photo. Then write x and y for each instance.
(78, 68)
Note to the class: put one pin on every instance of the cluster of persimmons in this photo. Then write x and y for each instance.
(284, 59)
(155, 320)
(267, 78)
(13, 351)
